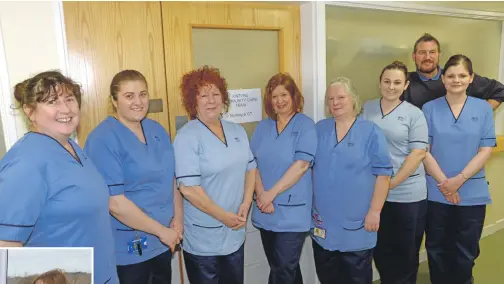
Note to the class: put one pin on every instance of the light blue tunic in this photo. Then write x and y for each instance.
(202, 159)
(405, 129)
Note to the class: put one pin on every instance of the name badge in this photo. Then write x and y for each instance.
(319, 232)
(137, 245)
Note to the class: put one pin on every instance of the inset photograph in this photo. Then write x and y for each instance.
(46, 265)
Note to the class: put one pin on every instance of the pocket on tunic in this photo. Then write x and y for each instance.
(204, 238)
(353, 225)
(355, 237)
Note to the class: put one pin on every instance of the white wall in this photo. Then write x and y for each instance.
(32, 39)
(2, 139)
(3, 266)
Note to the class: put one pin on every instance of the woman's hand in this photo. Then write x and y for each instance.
(265, 199)
(453, 198)
(169, 237)
(178, 225)
(269, 209)
(451, 185)
(233, 221)
(244, 210)
(372, 222)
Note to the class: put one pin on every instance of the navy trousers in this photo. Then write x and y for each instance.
(400, 236)
(452, 241)
(335, 267)
(220, 269)
(156, 270)
(283, 250)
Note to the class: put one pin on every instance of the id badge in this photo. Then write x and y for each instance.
(137, 245)
(319, 232)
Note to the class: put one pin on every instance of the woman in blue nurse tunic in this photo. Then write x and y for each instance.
(51, 194)
(351, 178)
(461, 137)
(284, 147)
(215, 172)
(403, 215)
(135, 156)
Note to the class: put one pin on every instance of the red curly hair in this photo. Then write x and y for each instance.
(193, 81)
(282, 79)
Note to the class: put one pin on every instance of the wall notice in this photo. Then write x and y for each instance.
(245, 106)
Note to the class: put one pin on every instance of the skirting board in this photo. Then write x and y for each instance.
(487, 231)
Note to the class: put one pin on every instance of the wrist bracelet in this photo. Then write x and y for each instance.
(462, 174)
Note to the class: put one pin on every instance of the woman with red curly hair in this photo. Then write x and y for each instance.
(215, 172)
(284, 145)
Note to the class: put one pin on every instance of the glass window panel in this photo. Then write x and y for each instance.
(246, 58)
(360, 42)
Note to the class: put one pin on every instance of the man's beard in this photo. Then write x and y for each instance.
(427, 71)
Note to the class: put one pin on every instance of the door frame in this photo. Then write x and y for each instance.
(180, 18)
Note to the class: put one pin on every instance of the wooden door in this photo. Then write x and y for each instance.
(106, 37)
(182, 21)
(242, 40)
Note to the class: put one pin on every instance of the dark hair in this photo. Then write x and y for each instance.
(55, 276)
(426, 38)
(282, 79)
(459, 59)
(196, 79)
(396, 65)
(125, 75)
(44, 87)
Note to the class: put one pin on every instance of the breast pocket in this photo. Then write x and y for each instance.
(352, 156)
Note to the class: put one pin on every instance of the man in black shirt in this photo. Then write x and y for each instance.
(426, 84)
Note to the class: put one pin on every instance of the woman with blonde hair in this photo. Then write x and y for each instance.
(350, 184)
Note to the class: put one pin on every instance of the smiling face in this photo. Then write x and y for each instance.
(339, 102)
(457, 79)
(281, 100)
(426, 56)
(58, 117)
(209, 103)
(132, 101)
(392, 84)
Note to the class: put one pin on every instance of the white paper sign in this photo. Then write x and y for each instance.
(245, 106)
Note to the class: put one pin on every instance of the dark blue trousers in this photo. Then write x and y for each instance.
(221, 269)
(335, 267)
(452, 241)
(156, 270)
(399, 239)
(283, 250)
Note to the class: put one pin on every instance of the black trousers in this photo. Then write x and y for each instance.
(283, 250)
(399, 239)
(221, 269)
(156, 270)
(452, 241)
(335, 267)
